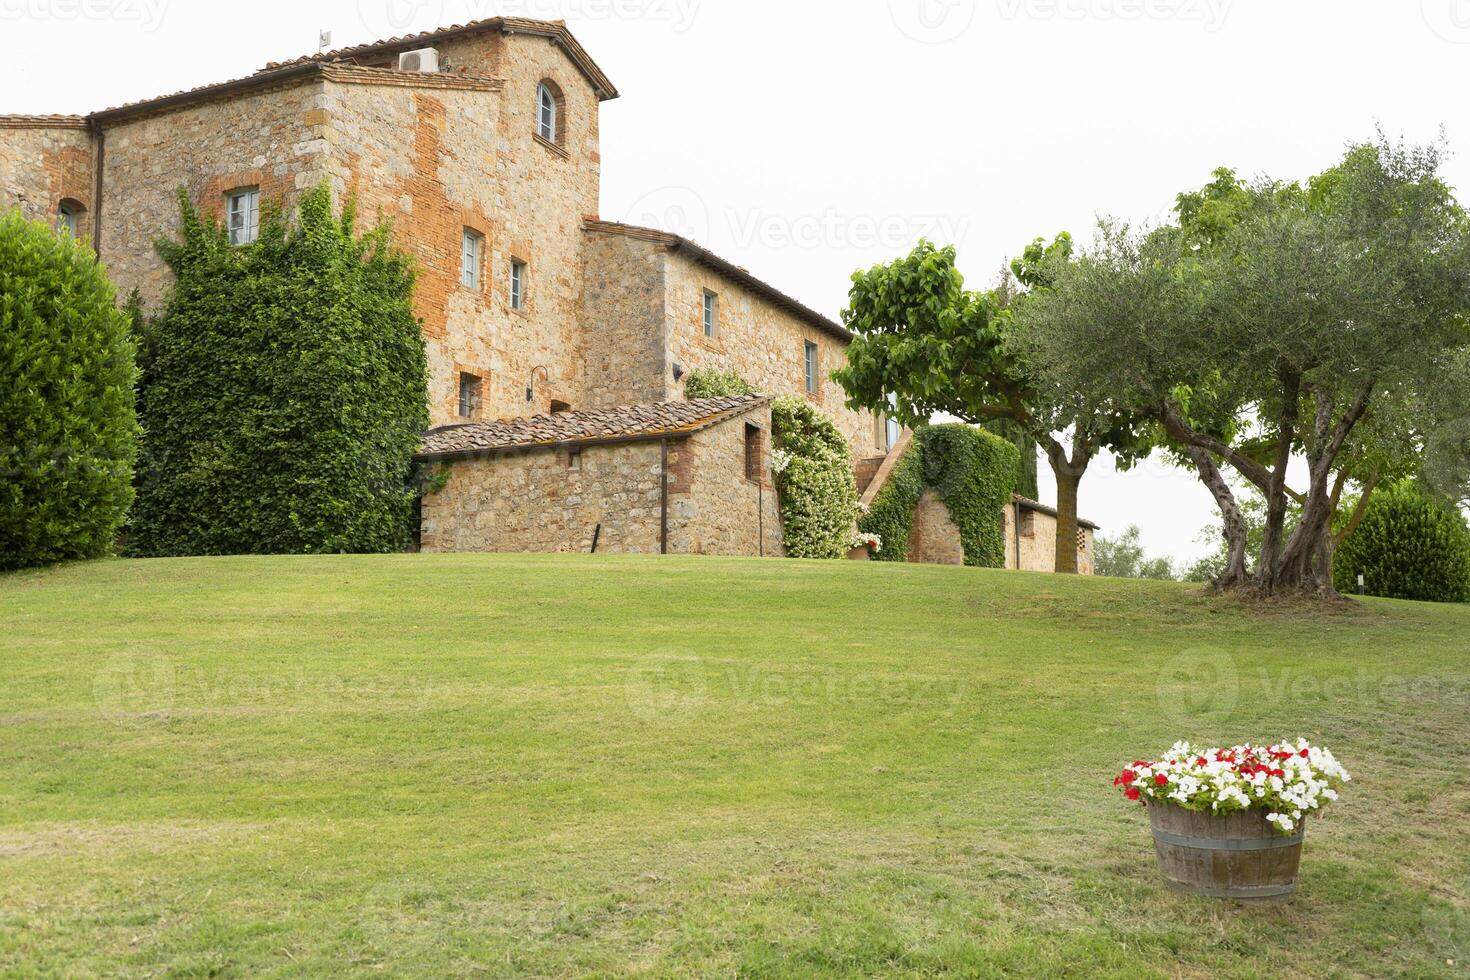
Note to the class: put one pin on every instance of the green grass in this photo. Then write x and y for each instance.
(568, 765)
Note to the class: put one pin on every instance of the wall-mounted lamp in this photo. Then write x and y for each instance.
(531, 387)
(678, 372)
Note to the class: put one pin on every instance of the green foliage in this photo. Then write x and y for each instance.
(818, 492)
(1027, 484)
(1409, 546)
(284, 392)
(973, 472)
(1124, 557)
(716, 384)
(68, 434)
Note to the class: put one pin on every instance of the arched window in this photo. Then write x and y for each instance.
(549, 121)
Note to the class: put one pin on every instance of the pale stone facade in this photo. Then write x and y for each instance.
(1031, 546)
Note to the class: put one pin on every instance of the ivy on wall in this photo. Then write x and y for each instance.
(972, 470)
(284, 391)
(813, 465)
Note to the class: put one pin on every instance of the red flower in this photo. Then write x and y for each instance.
(1131, 792)
(1305, 753)
(1128, 777)
(1161, 779)
(1201, 761)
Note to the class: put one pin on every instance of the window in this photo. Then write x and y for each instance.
(517, 284)
(753, 452)
(574, 459)
(66, 220)
(469, 259)
(244, 215)
(558, 408)
(711, 306)
(809, 357)
(469, 396)
(548, 104)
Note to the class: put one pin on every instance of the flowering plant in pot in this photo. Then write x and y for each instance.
(1230, 822)
(865, 545)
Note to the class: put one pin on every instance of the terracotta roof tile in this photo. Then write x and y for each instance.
(635, 423)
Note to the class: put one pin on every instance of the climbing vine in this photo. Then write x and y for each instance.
(814, 478)
(973, 472)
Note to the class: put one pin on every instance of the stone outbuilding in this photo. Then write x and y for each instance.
(687, 478)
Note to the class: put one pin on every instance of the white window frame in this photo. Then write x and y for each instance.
(809, 366)
(471, 258)
(242, 209)
(517, 284)
(711, 313)
(547, 123)
(66, 221)
(472, 386)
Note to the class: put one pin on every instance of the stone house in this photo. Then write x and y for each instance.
(480, 143)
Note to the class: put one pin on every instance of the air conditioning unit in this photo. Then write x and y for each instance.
(424, 60)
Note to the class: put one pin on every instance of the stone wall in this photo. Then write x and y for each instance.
(723, 512)
(1038, 541)
(934, 539)
(553, 500)
(549, 501)
(759, 341)
(45, 162)
(623, 294)
(259, 139)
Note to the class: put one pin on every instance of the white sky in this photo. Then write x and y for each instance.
(805, 139)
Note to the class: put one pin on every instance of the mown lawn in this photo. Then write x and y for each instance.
(567, 765)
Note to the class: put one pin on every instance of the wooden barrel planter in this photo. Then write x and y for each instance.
(1238, 856)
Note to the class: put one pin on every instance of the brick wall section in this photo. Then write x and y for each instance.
(42, 164)
(537, 501)
(934, 539)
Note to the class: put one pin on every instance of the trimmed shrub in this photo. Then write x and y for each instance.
(68, 434)
(284, 393)
(1408, 546)
(716, 384)
(973, 472)
(818, 492)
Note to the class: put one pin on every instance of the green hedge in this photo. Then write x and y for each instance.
(284, 392)
(716, 384)
(817, 489)
(68, 434)
(1408, 546)
(973, 472)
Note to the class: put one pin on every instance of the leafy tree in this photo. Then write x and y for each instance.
(1409, 545)
(1269, 326)
(924, 346)
(285, 392)
(68, 434)
(1124, 557)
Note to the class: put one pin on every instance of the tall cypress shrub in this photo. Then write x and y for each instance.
(68, 435)
(284, 392)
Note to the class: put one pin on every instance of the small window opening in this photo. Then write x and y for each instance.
(469, 396)
(754, 451)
